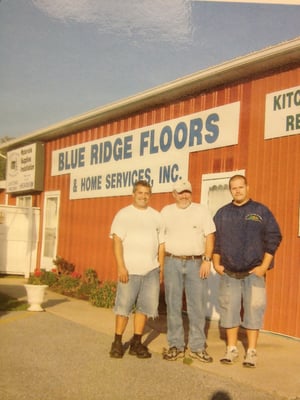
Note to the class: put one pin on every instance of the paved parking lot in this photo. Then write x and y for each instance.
(62, 354)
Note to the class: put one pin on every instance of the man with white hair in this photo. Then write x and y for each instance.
(189, 242)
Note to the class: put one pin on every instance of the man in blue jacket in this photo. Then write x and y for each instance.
(247, 237)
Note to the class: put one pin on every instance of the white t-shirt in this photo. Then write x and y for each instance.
(186, 229)
(141, 232)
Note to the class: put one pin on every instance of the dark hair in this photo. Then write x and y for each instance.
(234, 177)
(141, 183)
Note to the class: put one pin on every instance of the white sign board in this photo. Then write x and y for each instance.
(282, 117)
(158, 153)
(25, 169)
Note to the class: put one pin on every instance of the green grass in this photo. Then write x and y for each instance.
(8, 303)
(187, 360)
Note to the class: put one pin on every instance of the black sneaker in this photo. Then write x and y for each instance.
(116, 350)
(139, 350)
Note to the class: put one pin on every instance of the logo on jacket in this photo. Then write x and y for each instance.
(253, 217)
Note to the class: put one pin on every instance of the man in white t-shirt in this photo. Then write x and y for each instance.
(138, 243)
(189, 242)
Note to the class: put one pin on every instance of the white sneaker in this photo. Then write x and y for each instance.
(250, 359)
(231, 356)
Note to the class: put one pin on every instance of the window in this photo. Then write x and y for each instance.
(24, 201)
(215, 190)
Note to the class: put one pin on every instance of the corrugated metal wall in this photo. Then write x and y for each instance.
(272, 167)
(274, 175)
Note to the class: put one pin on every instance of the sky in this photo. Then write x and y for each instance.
(63, 58)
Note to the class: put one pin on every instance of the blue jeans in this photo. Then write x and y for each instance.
(141, 291)
(182, 275)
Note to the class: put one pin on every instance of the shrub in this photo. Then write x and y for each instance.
(63, 266)
(42, 277)
(49, 278)
(89, 283)
(67, 281)
(90, 277)
(67, 284)
(105, 295)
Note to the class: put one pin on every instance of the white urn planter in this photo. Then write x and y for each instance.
(35, 296)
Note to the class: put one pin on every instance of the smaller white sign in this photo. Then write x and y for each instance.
(24, 171)
(282, 116)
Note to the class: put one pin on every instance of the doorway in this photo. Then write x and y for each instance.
(50, 229)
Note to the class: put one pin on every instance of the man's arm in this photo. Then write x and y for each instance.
(205, 265)
(217, 264)
(161, 260)
(261, 269)
(118, 253)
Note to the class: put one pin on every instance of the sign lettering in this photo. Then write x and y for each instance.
(282, 117)
(158, 153)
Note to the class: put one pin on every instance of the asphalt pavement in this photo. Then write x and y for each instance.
(63, 354)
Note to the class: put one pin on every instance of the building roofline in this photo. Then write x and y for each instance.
(258, 62)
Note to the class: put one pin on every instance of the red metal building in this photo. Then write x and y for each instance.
(242, 115)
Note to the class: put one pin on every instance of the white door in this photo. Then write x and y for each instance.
(50, 229)
(19, 233)
(215, 194)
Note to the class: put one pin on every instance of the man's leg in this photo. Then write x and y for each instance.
(230, 294)
(252, 335)
(139, 323)
(196, 298)
(121, 323)
(231, 354)
(173, 282)
(254, 300)
(146, 306)
(232, 336)
(136, 346)
(123, 305)
(117, 350)
(251, 356)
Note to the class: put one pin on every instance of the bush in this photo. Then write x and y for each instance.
(85, 289)
(63, 266)
(67, 284)
(89, 283)
(49, 278)
(42, 277)
(67, 281)
(104, 296)
(90, 277)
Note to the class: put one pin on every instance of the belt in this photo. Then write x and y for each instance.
(236, 275)
(183, 257)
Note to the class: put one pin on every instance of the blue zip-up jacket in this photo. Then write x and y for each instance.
(244, 233)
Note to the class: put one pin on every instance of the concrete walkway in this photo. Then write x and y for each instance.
(278, 368)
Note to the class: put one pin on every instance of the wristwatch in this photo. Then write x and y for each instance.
(206, 258)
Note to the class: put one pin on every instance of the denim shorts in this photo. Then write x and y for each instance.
(141, 291)
(247, 294)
